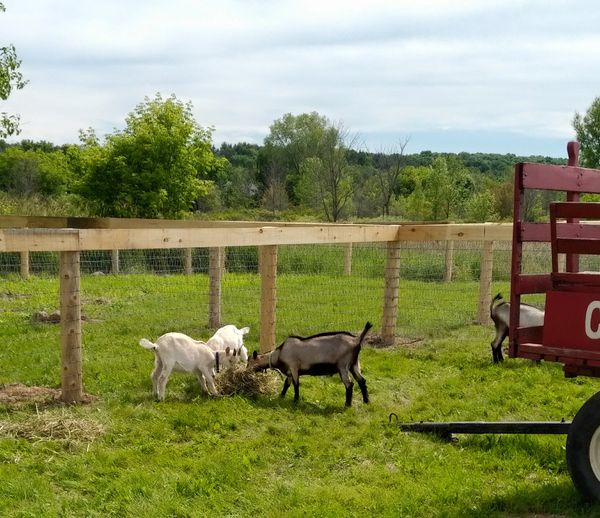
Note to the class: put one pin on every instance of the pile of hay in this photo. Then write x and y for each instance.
(49, 426)
(241, 381)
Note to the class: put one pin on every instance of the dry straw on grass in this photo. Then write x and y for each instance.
(52, 427)
(241, 381)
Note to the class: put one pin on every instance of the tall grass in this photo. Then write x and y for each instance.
(193, 455)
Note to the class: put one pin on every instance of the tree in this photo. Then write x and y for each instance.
(587, 129)
(448, 187)
(30, 172)
(291, 140)
(10, 79)
(156, 167)
(388, 176)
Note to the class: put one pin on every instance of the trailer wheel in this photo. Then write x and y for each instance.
(583, 449)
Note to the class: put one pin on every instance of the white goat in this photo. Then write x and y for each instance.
(230, 336)
(179, 352)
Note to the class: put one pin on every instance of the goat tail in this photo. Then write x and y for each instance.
(147, 344)
(497, 297)
(368, 326)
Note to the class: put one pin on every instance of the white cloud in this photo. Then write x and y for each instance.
(382, 67)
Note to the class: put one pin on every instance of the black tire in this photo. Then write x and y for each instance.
(583, 449)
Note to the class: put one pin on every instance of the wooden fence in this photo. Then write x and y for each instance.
(70, 236)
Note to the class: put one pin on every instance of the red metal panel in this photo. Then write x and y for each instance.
(535, 232)
(525, 284)
(587, 210)
(560, 178)
(578, 245)
(572, 321)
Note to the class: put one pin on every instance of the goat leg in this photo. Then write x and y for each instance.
(286, 386)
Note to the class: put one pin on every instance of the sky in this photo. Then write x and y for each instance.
(448, 75)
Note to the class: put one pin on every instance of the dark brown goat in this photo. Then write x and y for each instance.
(318, 355)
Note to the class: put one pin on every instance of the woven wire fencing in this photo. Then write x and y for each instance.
(319, 287)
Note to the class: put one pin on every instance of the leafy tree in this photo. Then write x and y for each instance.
(587, 128)
(416, 206)
(31, 172)
(291, 140)
(480, 207)
(10, 78)
(447, 188)
(388, 176)
(156, 167)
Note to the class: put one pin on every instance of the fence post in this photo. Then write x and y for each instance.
(25, 265)
(348, 259)
(268, 296)
(187, 261)
(114, 262)
(390, 301)
(215, 273)
(485, 282)
(449, 261)
(70, 328)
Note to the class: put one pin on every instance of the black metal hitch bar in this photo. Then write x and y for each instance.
(445, 430)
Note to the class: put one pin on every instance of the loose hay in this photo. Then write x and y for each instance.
(52, 427)
(241, 381)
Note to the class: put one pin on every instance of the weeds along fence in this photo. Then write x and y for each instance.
(409, 280)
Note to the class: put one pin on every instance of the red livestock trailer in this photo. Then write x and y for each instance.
(571, 331)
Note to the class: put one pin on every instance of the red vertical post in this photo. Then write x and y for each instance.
(573, 154)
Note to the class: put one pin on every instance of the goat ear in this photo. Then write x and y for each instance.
(254, 355)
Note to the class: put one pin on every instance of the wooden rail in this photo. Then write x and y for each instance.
(70, 236)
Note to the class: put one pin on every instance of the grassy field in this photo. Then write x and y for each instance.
(192, 455)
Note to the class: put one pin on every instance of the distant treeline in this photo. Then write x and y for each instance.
(165, 165)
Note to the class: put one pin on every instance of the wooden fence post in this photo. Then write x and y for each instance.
(390, 301)
(348, 259)
(449, 261)
(114, 262)
(268, 296)
(187, 261)
(25, 265)
(485, 282)
(70, 328)
(215, 273)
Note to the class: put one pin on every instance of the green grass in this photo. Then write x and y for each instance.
(193, 455)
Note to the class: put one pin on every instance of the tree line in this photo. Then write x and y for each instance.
(164, 164)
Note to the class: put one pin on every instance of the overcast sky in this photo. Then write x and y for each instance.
(452, 75)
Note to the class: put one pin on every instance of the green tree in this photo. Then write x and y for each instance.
(480, 207)
(156, 167)
(448, 187)
(388, 176)
(587, 129)
(291, 140)
(31, 172)
(10, 79)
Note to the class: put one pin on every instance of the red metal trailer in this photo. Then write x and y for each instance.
(571, 331)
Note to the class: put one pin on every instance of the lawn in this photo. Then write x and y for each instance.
(192, 455)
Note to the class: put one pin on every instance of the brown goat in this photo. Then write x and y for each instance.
(318, 355)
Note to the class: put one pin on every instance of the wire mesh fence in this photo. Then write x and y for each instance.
(319, 287)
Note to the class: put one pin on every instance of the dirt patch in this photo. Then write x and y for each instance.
(376, 341)
(12, 295)
(16, 395)
(44, 317)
